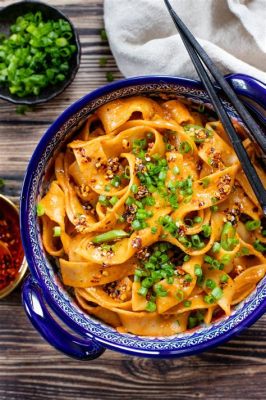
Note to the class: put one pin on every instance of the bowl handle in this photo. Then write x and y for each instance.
(50, 330)
(252, 92)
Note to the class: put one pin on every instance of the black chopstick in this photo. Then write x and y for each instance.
(236, 142)
(255, 133)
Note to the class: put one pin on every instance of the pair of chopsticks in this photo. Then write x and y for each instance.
(201, 60)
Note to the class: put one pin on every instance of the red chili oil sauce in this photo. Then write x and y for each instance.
(10, 238)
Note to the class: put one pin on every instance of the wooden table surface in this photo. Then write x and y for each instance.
(29, 367)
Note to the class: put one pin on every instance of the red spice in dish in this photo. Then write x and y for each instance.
(10, 238)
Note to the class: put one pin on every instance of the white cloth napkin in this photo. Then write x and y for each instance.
(144, 39)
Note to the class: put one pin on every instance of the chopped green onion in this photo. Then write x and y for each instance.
(187, 303)
(160, 291)
(57, 231)
(226, 259)
(192, 322)
(103, 61)
(210, 284)
(214, 208)
(197, 220)
(116, 181)
(228, 240)
(197, 270)
(107, 188)
(109, 76)
(35, 55)
(103, 200)
(121, 218)
(207, 230)
(216, 247)
(143, 291)
(245, 251)
(109, 236)
(129, 201)
(188, 278)
(103, 35)
(252, 225)
(196, 242)
(154, 229)
(217, 293)
(136, 225)
(209, 299)
(22, 109)
(151, 306)
(113, 200)
(134, 188)
(176, 170)
(170, 280)
(259, 246)
(224, 278)
(184, 147)
(40, 210)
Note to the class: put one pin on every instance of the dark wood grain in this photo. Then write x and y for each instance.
(29, 368)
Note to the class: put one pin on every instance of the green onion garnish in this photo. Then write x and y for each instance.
(187, 303)
(109, 236)
(197, 220)
(252, 225)
(143, 291)
(184, 147)
(57, 231)
(40, 210)
(103, 61)
(259, 246)
(207, 230)
(113, 200)
(151, 306)
(197, 270)
(134, 188)
(224, 278)
(210, 284)
(160, 291)
(103, 35)
(228, 239)
(217, 293)
(209, 299)
(103, 200)
(216, 247)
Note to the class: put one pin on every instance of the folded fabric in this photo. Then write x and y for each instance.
(144, 39)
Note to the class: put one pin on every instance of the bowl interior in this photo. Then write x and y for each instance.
(8, 16)
(45, 270)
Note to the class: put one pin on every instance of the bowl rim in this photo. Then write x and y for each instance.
(73, 71)
(25, 196)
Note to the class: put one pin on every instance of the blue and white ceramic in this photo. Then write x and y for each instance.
(43, 288)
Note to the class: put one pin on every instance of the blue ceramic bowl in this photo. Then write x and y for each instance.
(43, 288)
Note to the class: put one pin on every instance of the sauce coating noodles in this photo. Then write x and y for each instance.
(153, 221)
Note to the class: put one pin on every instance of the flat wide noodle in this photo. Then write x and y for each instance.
(151, 218)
